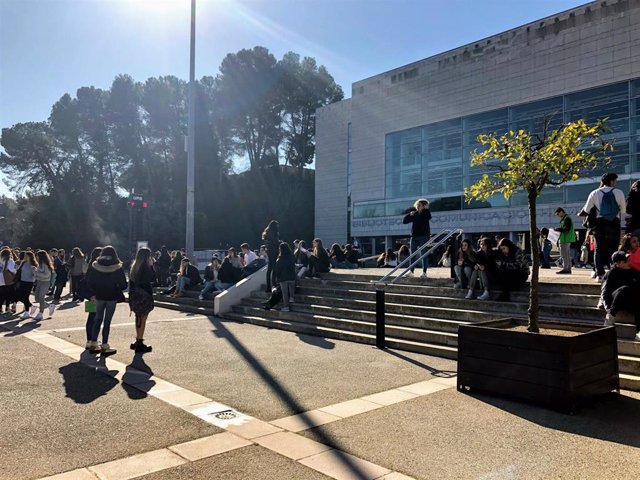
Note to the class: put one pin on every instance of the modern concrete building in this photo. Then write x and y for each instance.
(409, 132)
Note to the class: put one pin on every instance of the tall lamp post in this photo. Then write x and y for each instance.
(191, 138)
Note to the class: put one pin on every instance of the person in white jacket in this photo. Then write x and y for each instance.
(43, 279)
(8, 270)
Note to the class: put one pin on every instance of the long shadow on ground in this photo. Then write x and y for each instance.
(285, 395)
(610, 417)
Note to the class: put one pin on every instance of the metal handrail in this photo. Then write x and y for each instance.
(433, 243)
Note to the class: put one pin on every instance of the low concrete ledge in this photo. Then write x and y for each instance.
(223, 302)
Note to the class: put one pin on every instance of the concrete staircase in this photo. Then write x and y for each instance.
(421, 315)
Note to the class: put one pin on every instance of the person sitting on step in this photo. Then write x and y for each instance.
(631, 245)
(620, 291)
(465, 265)
(484, 269)
(512, 268)
(188, 276)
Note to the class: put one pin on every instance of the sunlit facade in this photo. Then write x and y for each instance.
(410, 132)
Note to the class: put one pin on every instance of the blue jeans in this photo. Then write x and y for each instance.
(210, 285)
(183, 282)
(416, 243)
(546, 255)
(104, 313)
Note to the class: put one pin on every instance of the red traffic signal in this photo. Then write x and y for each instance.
(145, 205)
(131, 204)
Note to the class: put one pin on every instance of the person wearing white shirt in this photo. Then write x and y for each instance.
(609, 205)
(249, 256)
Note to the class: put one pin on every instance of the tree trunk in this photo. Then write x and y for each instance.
(535, 269)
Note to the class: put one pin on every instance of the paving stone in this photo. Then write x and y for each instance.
(342, 466)
(350, 407)
(138, 465)
(209, 446)
(292, 445)
(306, 420)
(390, 397)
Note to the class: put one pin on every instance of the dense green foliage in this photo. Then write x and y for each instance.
(72, 173)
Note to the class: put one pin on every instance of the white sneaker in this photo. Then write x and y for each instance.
(485, 296)
(609, 320)
(52, 308)
(424, 275)
(38, 317)
(638, 337)
(599, 278)
(285, 309)
(594, 274)
(409, 274)
(469, 295)
(201, 298)
(33, 310)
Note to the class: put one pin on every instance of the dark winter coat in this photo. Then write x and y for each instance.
(616, 278)
(164, 261)
(146, 279)
(633, 209)
(420, 222)
(227, 272)
(487, 260)
(273, 244)
(106, 279)
(193, 275)
(285, 268)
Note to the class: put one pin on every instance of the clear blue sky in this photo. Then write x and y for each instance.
(52, 47)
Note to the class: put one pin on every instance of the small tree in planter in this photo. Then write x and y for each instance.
(529, 163)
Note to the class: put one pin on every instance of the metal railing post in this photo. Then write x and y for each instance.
(380, 312)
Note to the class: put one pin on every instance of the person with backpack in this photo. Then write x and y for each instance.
(567, 237)
(604, 209)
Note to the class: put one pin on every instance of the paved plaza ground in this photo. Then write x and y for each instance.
(224, 400)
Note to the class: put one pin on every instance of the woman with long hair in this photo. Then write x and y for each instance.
(286, 274)
(8, 276)
(43, 277)
(319, 259)
(466, 263)
(62, 274)
(77, 268)
(26, 276)
(188, 276)
(512, 268)
(633, 208)
(85, 292)
(337, 257)
(483, 270)
(141, 278)
(631, 245)
(271, 237)
(107, 280)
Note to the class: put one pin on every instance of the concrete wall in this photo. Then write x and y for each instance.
(589, 46)
(331, 172)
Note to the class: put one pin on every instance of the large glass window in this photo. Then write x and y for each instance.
(433, 160)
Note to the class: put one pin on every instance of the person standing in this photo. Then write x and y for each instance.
(84, 292)
(8, 276)
(107, 280)
(62, 273)
(545, 250)
(286, 275)
(43, 277)
(567, 237)
(141, 279)
(608, 204)
(77, 268)
(271, 237)
(633, 208)
(419, 218)
(25, 276)
(164, 266)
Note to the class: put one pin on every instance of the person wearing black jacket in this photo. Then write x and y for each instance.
(286, 274)
(163, 266)
(419, 217)
(620, 290)
(141, 280)
(512, 268)
(484, 269)
(271, 239)
(319, 259)
(227, 273)
(633, 209)
(106, 280)
(188, 277)
(337, 256)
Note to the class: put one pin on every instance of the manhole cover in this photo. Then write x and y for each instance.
(226, 415)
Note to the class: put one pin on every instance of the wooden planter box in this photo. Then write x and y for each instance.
(555, 370)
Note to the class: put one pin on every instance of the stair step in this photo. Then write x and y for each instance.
(185, 308)
(301, 327)
(630, 382)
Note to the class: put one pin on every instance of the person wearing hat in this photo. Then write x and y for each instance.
(606, 204)
(620, 290)
(567, 237)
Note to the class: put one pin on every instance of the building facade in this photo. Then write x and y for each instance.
(410, 132)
